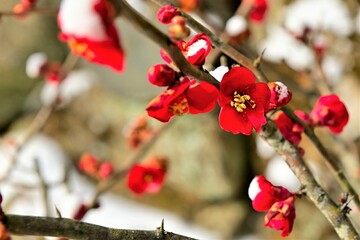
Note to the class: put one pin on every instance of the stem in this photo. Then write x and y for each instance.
(331, 161)
(68, 228)
(314, 191)
(224, 47)
(163, 41)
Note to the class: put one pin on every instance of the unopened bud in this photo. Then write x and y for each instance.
(178, 31)
(280, 95)
(161, 75)
(166, 13)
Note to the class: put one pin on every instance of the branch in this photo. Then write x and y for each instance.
(314, 191)
(163, 41)
(63, 227)
(331, 161)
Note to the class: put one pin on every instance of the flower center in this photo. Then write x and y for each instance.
(179, 106)
(81, 49)
(239, 102)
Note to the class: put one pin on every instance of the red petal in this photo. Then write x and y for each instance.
(201, 98)
(237, 79)
(256, 117)
(232, 121)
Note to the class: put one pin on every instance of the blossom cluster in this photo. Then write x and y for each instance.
(329, 111)
(277, 201)
(91, 165)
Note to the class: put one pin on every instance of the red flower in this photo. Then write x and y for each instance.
(263, 194)
(105, 170)
(195, 50)
(88, 28)
(280, 95)
(148, 177)
(185, 96)
(243, 102)
(258, 11)
(161, 75)
(290, 130)
(281, 216)
(166, 13)
(329, 111)
(88, 164)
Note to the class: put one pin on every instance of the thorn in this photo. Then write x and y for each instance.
(160, 230)
(58, 213)
(257, 61)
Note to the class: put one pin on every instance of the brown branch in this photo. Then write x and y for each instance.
(330, 159)
(63, 227)
(163, 41)
(219, 43)
(314, 191)
(332, 212)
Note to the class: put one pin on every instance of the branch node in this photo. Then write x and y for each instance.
(161, 230)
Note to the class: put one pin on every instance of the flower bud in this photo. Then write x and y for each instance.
(161, 75)
(329, 111)
(105, 170)
(166, 13)
(280, 95)
(178, 31)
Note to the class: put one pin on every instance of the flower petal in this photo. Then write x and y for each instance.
(201, 98)
(232, 121)
(237, 79)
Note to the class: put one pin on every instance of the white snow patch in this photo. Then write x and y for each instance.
(254, 188)
(196, 46)
(318, 15)
(34, 63)
(333, 68)
(282, 91)
(279, 174)
(78, 18)
(236, 25)
(219, 72)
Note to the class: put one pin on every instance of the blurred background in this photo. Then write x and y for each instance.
(205, 192)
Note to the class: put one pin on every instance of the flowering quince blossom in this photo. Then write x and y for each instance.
(90, 165)
(166, 13)
(263, 194)
(195, 50)
(258, 11)
(277, 201)
(281, 216)
(161, 75)
(88, 28)
(280, 95)
(148, 176)
(24, 6)
(243, 102)
(329, 111)
(183, 97)
(290, 130)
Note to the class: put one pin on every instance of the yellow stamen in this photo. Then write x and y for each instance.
(240, 102)
(81, 49)
(180, 106)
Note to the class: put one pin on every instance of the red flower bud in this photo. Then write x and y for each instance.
(329, 111)
(178, 20)
(88, 164)
(290, 130)
(178, 31)
(161, 75)
(280, 95)
(281, 216)
(105, 170)
(166, 13)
